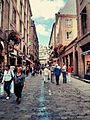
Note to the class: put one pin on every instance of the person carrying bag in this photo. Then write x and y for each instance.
(7, 79)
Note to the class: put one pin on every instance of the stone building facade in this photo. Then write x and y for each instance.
(15, 29)
(64, 30)
(34, 44)
(77, 52)
(43, 54)
(83, 42)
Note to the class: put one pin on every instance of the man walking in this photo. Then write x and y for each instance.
(57, 72)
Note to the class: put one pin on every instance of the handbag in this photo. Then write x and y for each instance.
(12, 87)
(1, 89)
(12, 77)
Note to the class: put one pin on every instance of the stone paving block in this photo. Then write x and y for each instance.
(67, 102)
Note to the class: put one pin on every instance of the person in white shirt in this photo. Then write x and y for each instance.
(64, 72)
(46, 74)
(7, 79)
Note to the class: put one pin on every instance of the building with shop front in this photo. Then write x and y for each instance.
(83, 40)
(64, 31)
(77, 52)
(15, 30)
(34, 45)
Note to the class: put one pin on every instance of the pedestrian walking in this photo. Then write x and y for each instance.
(64, 72)
(69, 73)
(52, 74)
(46, 74)
(57, 72)
(19, 84)
(40, 71)
(7, 79)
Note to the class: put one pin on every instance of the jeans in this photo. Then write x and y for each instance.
(7, 87)
(18, 90)
(64, 77)
(57, 80)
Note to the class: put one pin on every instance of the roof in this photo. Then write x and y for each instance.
(69, 8)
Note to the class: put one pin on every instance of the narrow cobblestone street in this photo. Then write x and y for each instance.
(48, 101)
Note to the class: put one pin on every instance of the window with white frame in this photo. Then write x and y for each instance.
(69, 35)
(68, 22)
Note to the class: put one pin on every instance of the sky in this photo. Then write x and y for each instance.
(43, 12)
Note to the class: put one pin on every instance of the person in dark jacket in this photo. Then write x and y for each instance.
(19, 84)
(57, 72)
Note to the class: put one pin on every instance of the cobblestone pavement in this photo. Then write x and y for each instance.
(49, 101)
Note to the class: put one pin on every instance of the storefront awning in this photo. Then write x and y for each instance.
(86, 52)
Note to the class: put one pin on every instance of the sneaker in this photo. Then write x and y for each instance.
(7, 98)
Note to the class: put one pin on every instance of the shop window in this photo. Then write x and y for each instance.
(88, 68)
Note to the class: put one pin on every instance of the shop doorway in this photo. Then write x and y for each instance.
(76, 67)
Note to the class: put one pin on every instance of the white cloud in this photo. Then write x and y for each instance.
(45, 8)
(41, 29)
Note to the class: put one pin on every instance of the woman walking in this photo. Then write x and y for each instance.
(69, 73)
(18, 84)
(64, 72)
(7, 79)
